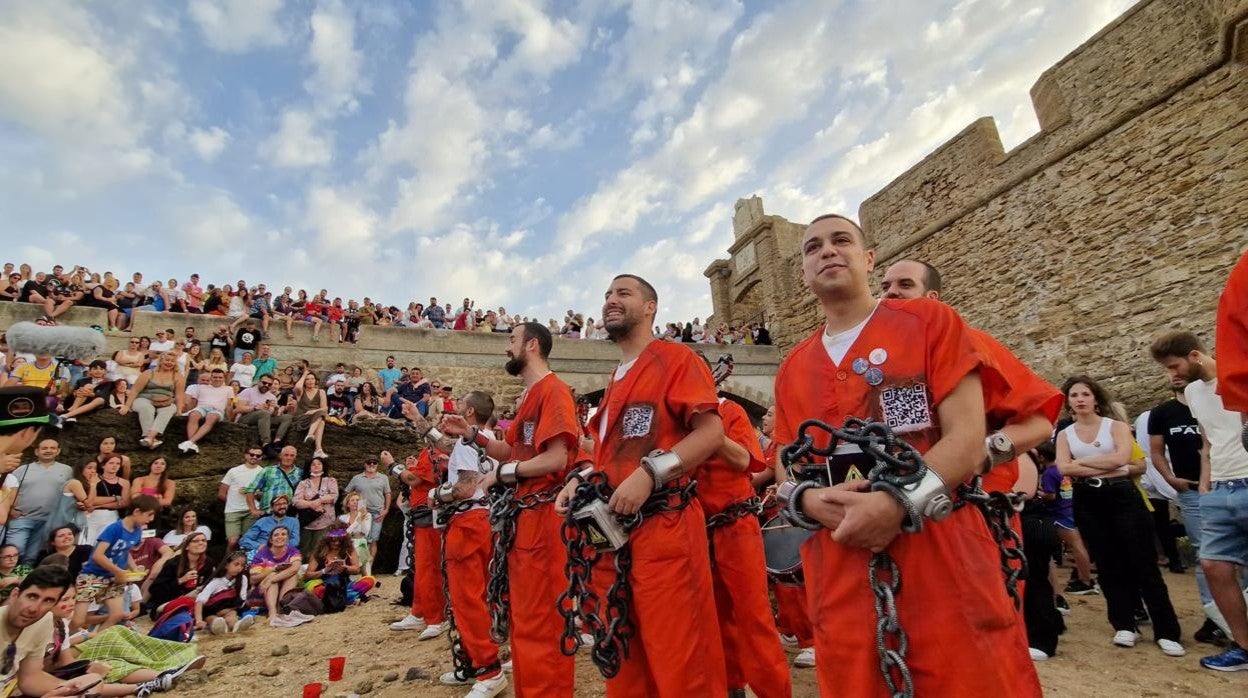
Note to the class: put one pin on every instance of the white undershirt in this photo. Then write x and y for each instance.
(620, 372)
(837, 345)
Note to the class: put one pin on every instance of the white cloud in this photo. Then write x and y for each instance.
(215, 224)
(338, 63)
(296, 143)
(208, 143)
(346, 228)
(238, 26)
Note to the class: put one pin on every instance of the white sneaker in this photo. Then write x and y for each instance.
(244, 623)
(185, 446)
(805, 659)
(218, 626)
(432, 631)
(488, 688)
(320, 454)
(192, 446)
(1126, 638)
(789, 642)
(450, 679)
(297, 618)
(411, 622)
(1171, 648)
(1037, 655)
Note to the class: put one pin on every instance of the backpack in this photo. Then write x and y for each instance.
(176, 624)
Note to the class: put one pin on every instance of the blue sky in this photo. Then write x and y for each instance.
(518, 152)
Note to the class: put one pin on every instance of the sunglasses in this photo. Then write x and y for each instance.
(255, 455)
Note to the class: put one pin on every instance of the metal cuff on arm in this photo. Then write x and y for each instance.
(928, 498)
(663, 467)
(789, 496)
(509, 472)
(444, 493)
(998, 448)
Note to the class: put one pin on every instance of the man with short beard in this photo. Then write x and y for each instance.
(537, 451)
(657, 423)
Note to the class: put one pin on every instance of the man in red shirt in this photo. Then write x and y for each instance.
(752, 651)
(537, 451)
(428, 602)
(910, 365)
(660, 406)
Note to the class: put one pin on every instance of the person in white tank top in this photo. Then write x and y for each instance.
(1096, 452)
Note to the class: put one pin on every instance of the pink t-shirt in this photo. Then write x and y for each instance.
(194, 295)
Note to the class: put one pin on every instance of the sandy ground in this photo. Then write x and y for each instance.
(1086, 663)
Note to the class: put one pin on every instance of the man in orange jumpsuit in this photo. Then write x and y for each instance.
(428, 603)
(1231, 343)
(539, 447)
(661, 398)
(1018, 403)
(752, 651)
(468, 550)
(911, 365)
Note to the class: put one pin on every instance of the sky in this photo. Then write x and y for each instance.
(517, 152)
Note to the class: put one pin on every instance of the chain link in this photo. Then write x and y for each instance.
(505, 508)
(611, 624)
(884, 576)
(997, 509)
(737, 510)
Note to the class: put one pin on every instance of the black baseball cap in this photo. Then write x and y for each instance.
(23, 405)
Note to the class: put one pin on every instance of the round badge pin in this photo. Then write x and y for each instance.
(878, 356)
(860, 366)
(874, 376)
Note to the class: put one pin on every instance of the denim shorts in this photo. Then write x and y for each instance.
(1224, 525)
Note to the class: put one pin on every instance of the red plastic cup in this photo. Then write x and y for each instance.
(336, 665)
(312, 690)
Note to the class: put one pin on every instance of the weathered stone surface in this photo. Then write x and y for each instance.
(364, 687)
(234, 647)
(415, 674)
(1119, 220)
(280, 651)
(271, 671)
(390, 676)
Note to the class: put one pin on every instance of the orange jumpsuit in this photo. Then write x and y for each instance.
(676, 650)
(1232, 339)
(965, 637)
(792, 616)
(752, 651)
(469, 545)
(536, 562)
(427, 599)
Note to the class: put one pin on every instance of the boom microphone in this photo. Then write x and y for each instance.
(74, 343)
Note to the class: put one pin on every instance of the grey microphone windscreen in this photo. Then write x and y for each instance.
(76, 343)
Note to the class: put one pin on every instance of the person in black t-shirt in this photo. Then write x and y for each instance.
(1175, 441)
(90, 392)
(247, 339)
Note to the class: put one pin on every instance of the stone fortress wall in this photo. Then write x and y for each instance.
(1118, 220)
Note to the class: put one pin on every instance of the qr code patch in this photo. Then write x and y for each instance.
(636, 422)
(906, 408)
(529, 428)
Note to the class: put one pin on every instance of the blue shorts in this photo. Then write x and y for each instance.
(1065, 521)
(1224, 522)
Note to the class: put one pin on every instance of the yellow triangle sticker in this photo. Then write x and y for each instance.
(853, 474)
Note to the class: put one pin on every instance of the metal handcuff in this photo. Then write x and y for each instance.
(602, 527)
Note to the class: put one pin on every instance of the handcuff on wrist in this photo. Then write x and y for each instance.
(789, 496)
(662, 467)
(509, 472)
(929, 498)
(475, 437)
(998, 448)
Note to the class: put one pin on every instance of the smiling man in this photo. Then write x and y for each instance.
(909, 364)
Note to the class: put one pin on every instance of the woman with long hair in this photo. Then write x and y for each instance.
(155, 397)
(1096, 452)
(121, 391)
(110, 495)
(311, 407)
(195, 362)
(275, 571)
(156, 482)
(368, 403)
(64, 549)
(219, 603)
(332, 563)
(182, 573)
(107, 447)
(131, 360)
(314, 497)
(216, 359)
(188, 523)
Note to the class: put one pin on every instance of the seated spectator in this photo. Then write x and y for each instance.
(159, 299)
(212, 405)
(236, 303)
(119, 394)
(90, 393)
(260, 530)
(351, 324)
(221, 341)
(102, 577)
(224, 598)
(335, 316)
(194, 295)
(415, 390)
(329, 571)
(314, 501)
(182, 573)
(196, 362)
(243, 372)
(12, 571)
(359, 524)
(128, 661)
(338, 403)
(12, 291)
(111, 495)
(258, 309)
(131, 361)
(27, 628)
(313, 310)
(435, 314)
(282, 308)
(310, 409)
(40, 373)
(246, 339)
(156, 483)
(368, 404)
(216, 360)
(216, 301)
(65, 546)
(265, 364)
(257, 406)
(176, 296)
(274, 573)
(104, 297)
(155, 397)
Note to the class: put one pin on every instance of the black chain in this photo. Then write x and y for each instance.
(998, 510)
(505, 508)
(612, 628)
(737, 510)
(884, 576)
(464, 669)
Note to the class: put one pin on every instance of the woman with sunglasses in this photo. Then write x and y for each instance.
(131, 360)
